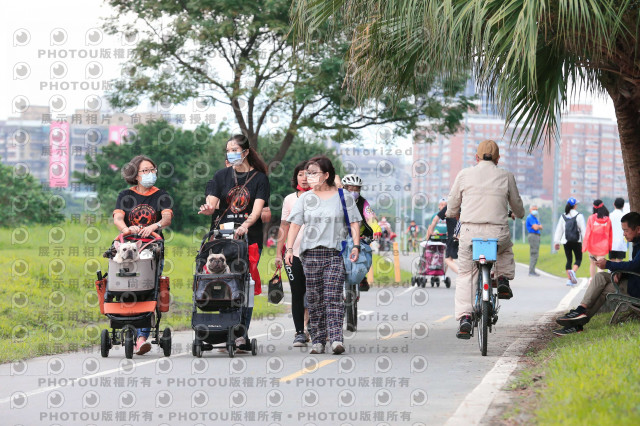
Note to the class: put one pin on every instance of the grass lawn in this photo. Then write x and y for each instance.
(48, 301)
(585, 378)
(551, 263)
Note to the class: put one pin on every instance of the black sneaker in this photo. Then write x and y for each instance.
(574, 317)
(567, 330)
(504, 290)
(464, 330)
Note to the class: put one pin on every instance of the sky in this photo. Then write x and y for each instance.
(56, 54)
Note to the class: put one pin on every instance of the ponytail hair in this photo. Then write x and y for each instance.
(253, 158)
(568, 208)
(600, 209)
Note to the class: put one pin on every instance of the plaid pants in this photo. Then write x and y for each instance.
(324, 272)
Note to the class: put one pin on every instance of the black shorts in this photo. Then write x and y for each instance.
(452, 249)
(618, 255)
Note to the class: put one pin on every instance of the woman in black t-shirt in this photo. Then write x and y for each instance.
(239, 192)
(142, 209)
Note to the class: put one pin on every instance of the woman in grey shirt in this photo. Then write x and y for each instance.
(321, 213)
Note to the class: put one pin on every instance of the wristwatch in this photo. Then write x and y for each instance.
(159, 226)
(357, 246)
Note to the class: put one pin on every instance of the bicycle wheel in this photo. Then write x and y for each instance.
(483, 332)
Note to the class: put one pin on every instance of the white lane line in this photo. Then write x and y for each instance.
(566, 300)
(475, 405)
(407, 291)
(72, 381)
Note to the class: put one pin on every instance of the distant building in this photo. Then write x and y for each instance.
(590, 157)
(27, 141)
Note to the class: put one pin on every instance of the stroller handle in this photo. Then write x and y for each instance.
(120, 237)
(216, 232)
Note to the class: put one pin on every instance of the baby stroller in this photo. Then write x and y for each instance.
(132, 294)
(218, 298)
(431, 265)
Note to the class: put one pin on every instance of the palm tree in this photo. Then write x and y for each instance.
(529, 56)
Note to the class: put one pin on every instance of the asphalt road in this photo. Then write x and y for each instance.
(404, 365)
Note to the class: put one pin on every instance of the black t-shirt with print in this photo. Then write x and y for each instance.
(143, 209)
(224, 187)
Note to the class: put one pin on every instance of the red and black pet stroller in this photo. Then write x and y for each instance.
(132, 294)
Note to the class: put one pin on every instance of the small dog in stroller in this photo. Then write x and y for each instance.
(221, 289)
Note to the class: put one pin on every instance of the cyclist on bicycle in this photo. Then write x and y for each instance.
(482, 193)
(369, 227)
(412, 231)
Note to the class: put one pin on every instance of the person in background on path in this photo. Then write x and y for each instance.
(451, 253)
(369, 227)
(569, 232)
(618, 244)
(601, 284)
(533, 228)
(295, 272)
(598, 236)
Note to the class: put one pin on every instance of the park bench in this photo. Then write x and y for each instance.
(623, 302)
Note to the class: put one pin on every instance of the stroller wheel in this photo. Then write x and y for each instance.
(232, 350)
(254, 347)
(196, 349)
(105, 343)
(447, 282)
(438, 282)
(432, 282)
(128, 343)
(165, 341)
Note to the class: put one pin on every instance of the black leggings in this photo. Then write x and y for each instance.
(576, 248)
(298, 284)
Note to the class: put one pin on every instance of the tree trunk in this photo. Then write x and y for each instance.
(627, 111)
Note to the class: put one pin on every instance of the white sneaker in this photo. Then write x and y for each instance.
(317, 348)
(569, 283)
(337, 348)
(572, 276)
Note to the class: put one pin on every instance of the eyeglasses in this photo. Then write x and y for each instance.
(312, 174)
(147, 171)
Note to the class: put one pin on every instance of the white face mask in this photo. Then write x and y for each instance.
(313, 180)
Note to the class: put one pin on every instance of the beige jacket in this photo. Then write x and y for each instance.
(483, 192)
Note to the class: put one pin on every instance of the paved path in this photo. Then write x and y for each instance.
(403, 366)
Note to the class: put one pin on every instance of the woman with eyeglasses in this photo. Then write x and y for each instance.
(321, 212)
(142, 209)
(238, 194)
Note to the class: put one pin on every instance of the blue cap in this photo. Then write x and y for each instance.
(572, 201)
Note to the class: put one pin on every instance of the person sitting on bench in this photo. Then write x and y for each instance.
(601, 284)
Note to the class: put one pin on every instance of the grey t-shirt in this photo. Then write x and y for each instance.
(323, 220)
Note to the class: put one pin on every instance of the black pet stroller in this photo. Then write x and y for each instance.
(218, 299)
(134, 295)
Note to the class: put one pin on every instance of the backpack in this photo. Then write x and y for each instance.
(571, 231)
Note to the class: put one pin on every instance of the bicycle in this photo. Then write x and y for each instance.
(487, 305)
(412, 243)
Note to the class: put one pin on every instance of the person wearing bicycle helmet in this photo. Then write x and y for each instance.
(369, 227)
(479, 198)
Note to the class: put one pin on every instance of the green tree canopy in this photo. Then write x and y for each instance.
(24, 201)
(240, 54)
(529, 56)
